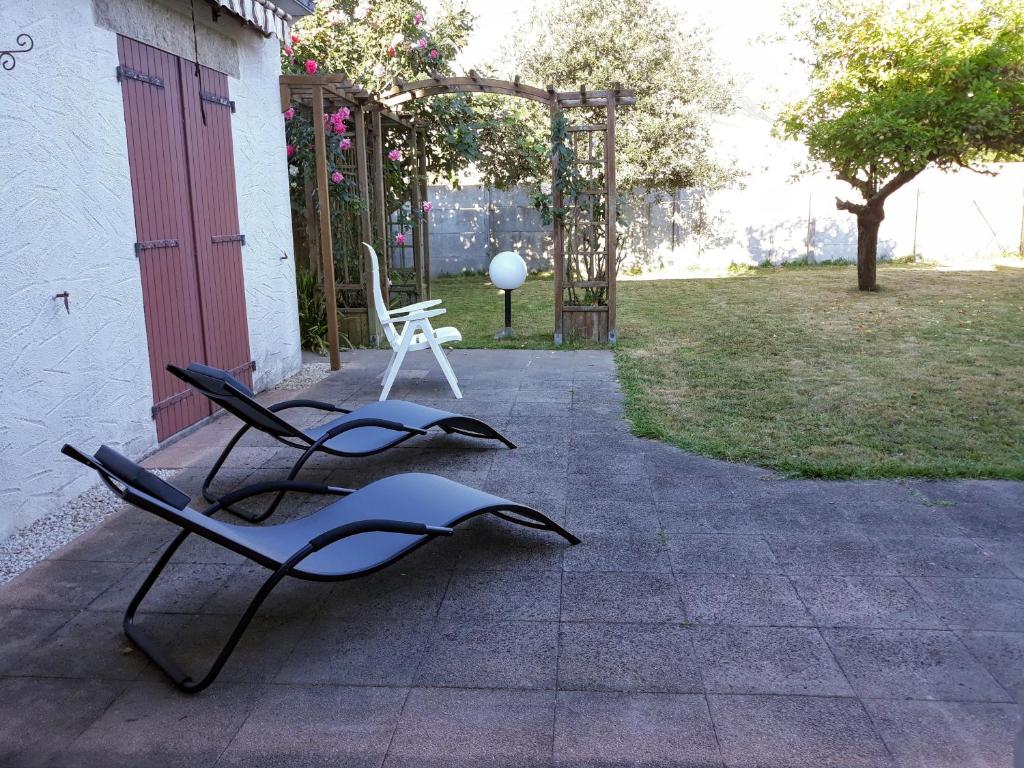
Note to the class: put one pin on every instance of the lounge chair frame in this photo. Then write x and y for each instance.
(158, 654)
(225, 392)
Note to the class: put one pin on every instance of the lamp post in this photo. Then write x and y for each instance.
(508, 272)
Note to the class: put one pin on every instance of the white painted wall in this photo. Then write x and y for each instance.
(264, 211)
(67, 223)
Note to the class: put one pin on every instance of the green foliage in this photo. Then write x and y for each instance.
(312, 311)
(795, 386)
(383, 43)
(894, 90)
(663, 141)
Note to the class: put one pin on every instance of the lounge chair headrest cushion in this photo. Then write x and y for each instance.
(130, 473)
(219, 374)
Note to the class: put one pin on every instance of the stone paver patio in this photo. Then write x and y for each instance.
(715, 614)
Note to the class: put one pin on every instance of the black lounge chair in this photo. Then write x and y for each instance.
(344, 540)
(368, 430)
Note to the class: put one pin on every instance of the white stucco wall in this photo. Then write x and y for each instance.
(67, 224)
(264, 211)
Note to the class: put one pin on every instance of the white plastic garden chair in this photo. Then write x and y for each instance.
(408, 329)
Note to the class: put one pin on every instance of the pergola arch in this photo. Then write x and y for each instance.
(586, 227)
(403, 92)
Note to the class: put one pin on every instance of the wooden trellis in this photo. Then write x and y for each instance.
(343, 263)
(583, 229)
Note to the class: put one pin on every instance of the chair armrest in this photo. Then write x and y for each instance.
(258, 489)
(317, 404)
(418, 315)
(384, 526)
(414, 307)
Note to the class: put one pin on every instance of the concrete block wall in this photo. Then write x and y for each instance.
(768, 218)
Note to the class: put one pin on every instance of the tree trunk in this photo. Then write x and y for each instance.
(868, 222)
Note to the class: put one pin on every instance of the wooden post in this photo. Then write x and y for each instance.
(382, 207)
(421, 159)
(374, 330)
(556, 227)
(611, 210)
(326, 244)
(415, 212)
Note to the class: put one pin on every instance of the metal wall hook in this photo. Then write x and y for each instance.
(64, 296)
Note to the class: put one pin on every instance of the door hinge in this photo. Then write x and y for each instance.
(149, 245)
(133, 74)
(228, 239)
(250, 366)
(167, 402)
(213, 98)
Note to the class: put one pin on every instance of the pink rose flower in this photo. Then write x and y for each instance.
(344, 113)
(433, 53)
(427, 206)
(290, 150)
(400, 238)
(289, 113)
(310, 67)
(395, 155)
(295, 39)
(337, 178)
(418, 18)
(422, 42)
(287, 50)
(345, 143)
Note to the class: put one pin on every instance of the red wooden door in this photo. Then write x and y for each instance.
(186, 220)
(151, 87)
(215, 218)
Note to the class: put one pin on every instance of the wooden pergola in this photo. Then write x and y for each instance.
(584, 224)
(371, 120)
(583, 227)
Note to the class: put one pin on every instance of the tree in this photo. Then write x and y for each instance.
(894, 91)
(664, 140)
(375, 42)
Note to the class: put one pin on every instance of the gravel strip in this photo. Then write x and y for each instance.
(308, 375)
(26, 547)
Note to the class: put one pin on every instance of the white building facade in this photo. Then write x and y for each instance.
(82, 371)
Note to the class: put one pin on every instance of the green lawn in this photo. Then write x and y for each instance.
(796, 370)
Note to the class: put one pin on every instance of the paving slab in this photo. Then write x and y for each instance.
(796, 732)
(740, 600)
(912, 664)
(444, 727)
(931, 734)
(634, 729)
(778, 660)
(865, 601)
(610, 656)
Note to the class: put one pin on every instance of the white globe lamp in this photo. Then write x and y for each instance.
(508, 272)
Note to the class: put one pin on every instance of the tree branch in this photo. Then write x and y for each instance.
(846, 205)
(859, 184)
(979, 171)
(893, 184)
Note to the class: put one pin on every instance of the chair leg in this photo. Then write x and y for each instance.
(159, 656)
(442, 360)
(220, 462)
(397, 360)
(259, 517)
(391, 359)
